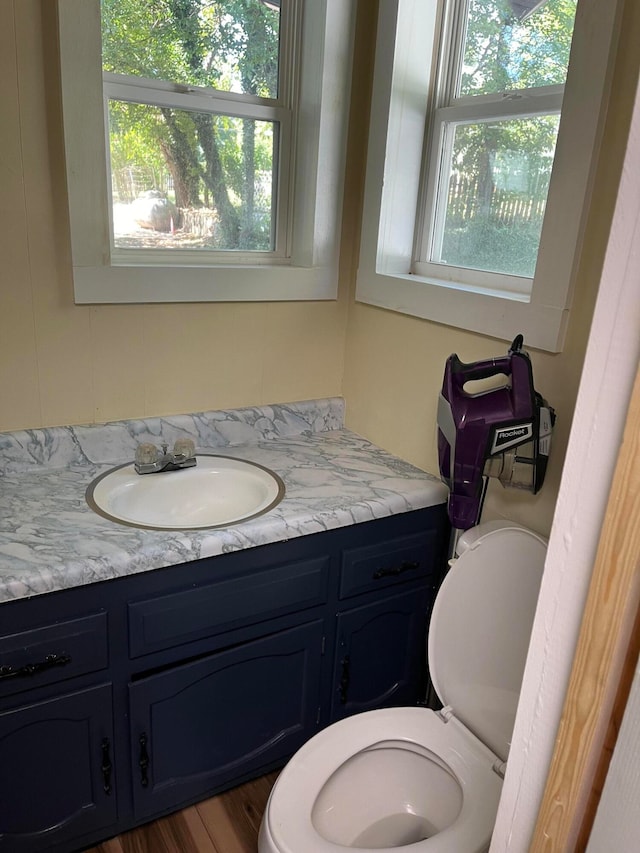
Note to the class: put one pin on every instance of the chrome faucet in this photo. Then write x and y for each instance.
(150, 460)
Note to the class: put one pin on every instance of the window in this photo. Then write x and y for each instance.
(205, 144)
(501, 72)
(199, 102)
(476, 190)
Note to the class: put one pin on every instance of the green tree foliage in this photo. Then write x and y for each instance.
(228, 45)
(503, 51)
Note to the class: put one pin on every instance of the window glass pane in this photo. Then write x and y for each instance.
(516, 44)
(191, 180)
(498, 178)
(230, 45)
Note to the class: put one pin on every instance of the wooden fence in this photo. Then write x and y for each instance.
(505, 207)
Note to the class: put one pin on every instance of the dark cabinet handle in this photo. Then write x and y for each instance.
(393, 571)
(29, 669)
(344, 679)
(107, 767)
(143, 761)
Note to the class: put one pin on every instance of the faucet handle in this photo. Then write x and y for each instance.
(146, 454)
(184, 447)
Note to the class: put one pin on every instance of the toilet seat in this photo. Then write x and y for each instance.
(288, 814)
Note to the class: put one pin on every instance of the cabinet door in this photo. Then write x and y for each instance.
(199, 726)
(381, 654)
(56, 782)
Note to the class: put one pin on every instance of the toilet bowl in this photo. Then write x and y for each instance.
(387, 779)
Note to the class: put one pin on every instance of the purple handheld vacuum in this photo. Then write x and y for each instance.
(502, 432)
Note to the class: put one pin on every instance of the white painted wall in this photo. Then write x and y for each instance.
(610, 367)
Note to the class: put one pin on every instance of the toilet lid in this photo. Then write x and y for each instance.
(480, 630)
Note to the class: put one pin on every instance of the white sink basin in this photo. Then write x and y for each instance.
(217, 492)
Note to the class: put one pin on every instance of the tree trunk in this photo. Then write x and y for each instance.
(181, 162)
(247, 231)
(215, 180)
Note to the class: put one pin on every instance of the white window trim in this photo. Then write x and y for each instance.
(310, 271)
(403, 83)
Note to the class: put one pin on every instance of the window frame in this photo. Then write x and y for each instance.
(306, 264)
(404, 87)
(432, 210)
(138, 91)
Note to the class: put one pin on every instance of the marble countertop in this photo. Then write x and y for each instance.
(50, 539)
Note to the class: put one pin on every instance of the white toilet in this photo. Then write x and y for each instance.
(383, 780)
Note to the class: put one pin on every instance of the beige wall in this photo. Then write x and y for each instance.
(63, 363)
(394, 363)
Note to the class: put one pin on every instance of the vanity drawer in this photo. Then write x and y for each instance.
(193, 614)
(53, 653)
(404, 558)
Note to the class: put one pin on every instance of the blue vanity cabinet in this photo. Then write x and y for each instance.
(386, 590)
(380, 654)
(199, 726)
(57, 778)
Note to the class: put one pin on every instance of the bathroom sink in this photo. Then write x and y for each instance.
(217, 492)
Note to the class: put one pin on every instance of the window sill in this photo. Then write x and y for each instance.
(482, 310)
(131, 284)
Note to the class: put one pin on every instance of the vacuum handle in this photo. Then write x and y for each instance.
(461, 372)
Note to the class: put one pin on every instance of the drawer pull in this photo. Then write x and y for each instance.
(107, 766)
(393, 571)
(345, 679)
(29, 669)
(143, 761)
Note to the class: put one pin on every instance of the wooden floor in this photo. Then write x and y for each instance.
(227, 823)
